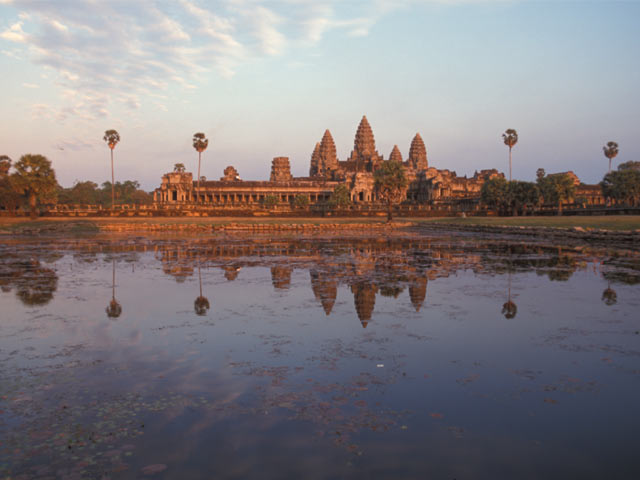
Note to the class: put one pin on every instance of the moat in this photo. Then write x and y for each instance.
(364, 355)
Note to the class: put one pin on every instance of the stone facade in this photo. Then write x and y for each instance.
(426, 185)
(281, 170)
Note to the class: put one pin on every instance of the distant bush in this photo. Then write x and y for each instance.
(301, 201)
(270, 201)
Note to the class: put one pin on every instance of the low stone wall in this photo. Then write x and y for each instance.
(250, 227)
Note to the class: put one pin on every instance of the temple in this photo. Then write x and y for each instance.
(427, 186)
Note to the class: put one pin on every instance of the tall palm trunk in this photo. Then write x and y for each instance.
(609, 165)
(198, 184)
(510, 162)
(113, 191)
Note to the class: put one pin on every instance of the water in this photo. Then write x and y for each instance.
(401, 356)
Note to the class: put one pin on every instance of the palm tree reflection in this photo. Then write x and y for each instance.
(609, 296)
(114, 309)
(201, 304)
(509, 309)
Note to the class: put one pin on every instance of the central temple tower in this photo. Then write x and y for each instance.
(364, 147)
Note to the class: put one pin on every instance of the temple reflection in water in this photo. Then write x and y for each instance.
(367, 267)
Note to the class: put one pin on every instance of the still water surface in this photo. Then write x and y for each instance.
(400, 356)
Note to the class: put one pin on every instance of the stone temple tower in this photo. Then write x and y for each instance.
(395, 156)
(418, 154)
(364, 147)
(327, 156)
(315, 161)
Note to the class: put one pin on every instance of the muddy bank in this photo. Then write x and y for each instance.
(591, 235)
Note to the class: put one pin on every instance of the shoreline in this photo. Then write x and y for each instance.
(493, 226)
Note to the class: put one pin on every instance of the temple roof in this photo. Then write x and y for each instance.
(364, 143)
(418, 292)
(395, 156)
(325, 289)
(364, 296)
(315, 160)
(418, 152)
(327, 150)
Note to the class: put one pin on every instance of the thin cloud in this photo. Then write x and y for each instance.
(118, 54)
(15, 33)
(75, 144)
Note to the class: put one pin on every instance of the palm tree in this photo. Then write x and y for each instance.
(610, 151)
(200, 143)
(112, 138)
(510, 138)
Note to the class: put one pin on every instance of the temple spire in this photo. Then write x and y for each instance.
(364, 296)
(395, 156)
(315, 161)
(364, 146)
(418, 154)
(327, 157)
(325, 289)
(364, 143)
(418, 292)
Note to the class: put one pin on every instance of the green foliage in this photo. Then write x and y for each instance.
(88, 193)
(390, 183)
(340, 198)
(179, 168)
(610, 150)
(509, 197)
(5, 166)
(301, 201)
(34, 177)
(556, 189)
(522, 196)
(630, 165)
(494, 193)
(112, 138)
(81, 193)
(200, 142)
(510, 137)
(270, 201)
(622, 185)
(540, 173)
(9, 198)
(128, 192)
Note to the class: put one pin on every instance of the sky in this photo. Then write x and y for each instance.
(265, 78)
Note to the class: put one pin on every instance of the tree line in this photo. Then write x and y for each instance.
(517, 197)
(31, 182)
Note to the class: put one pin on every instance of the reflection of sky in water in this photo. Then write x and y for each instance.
(266, 383)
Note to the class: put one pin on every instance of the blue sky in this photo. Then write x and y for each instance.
(266, 78)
